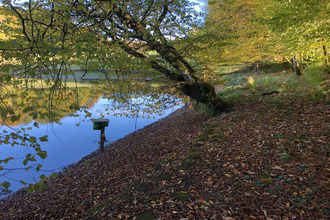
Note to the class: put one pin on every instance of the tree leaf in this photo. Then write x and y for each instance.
(27, 109)
(42, 154)
(24, 183)
(5, 185)
(44, 138)
(35, 115)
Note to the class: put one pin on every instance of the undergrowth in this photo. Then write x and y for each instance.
(240, 87)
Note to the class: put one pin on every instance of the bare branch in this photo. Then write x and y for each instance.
(22, 20)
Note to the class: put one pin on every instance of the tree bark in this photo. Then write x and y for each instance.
(256, 67)
(296, 67)
(326, 59)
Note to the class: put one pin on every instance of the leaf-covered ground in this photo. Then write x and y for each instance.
(266, 159)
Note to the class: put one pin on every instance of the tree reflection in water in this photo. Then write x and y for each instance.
(59, 131)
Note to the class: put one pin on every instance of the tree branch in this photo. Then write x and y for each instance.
(22, 20)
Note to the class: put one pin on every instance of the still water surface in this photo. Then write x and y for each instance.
(73, 137)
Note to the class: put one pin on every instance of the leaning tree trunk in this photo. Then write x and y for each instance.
(326, 59)
(183, 74)
(181, 71)
(204, 93)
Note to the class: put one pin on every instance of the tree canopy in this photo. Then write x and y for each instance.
(54, 35)
(260, 31)
(302, 26)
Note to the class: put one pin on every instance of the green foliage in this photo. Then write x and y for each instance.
(301, 26)
(238, 34)
(256, 31)
(5, 185)
(38, 187)
(44, 138)
(5, 161)
(242, 86)
(50, 44)
(313, 20)
(316, 74)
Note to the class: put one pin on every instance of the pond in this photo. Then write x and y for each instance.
(66, 140)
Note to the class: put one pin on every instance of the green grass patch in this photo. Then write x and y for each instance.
(276, 101)
(127, 193)
(231, 68)
(186, 164)
(181, 196)
(148, 215)
(93, 212)
(200, 107)
(189, 160)
(316, 75)
(160, 163)
(286, 157)
(87, 162)
(234, 94)
(242, 86)
(143, 187)
(206, 133)
(193, 156)
(217, 138)
(163, 176)
(279, 136)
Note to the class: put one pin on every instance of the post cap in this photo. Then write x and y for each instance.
(98, 124)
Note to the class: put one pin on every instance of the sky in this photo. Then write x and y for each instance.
(201, 4)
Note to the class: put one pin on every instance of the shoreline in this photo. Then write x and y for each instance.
(23, 190)
(117, 147)
(89, 156)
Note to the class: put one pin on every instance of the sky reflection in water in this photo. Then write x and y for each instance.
(68, 143)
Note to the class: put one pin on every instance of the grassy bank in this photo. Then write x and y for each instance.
(242, 84)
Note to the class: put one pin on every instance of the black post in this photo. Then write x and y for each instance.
(100, 124)
(102, 139)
